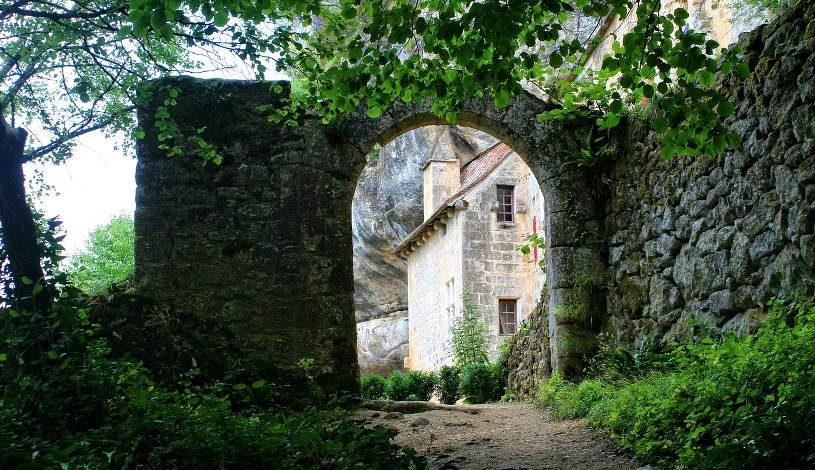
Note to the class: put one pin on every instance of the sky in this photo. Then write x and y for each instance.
(94, 185)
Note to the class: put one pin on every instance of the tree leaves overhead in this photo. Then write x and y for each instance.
(380, 51)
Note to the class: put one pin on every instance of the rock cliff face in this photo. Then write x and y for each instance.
(387, 206)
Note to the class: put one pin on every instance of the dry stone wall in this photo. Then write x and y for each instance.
(528, 359)
(708, 241)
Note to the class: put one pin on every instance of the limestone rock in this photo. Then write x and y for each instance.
(382, 343)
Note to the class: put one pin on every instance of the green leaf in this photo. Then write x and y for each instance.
(555, 60)
(374, 111)
(221, 18)
(259, 383)
(239, 386)
(501, 98)
(26, 280)
(349, 12)
(3, 357)
(660, 124)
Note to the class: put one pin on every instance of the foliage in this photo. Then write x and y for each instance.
(469, 335)
(372, 386)
(108, 256)
(535, 240)
(480, 382)
(69, 402)
(375, 52)
(744, 8)
(447, 386)
(745, 402)
(410, 385)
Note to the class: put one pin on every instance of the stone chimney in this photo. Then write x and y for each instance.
(441, 180)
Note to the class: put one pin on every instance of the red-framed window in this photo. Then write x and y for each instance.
(506, 204)
(507, 316)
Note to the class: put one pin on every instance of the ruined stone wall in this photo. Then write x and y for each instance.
(529, 358)
(710, 240)
(260, 244)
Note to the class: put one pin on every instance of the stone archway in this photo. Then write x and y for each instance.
(262, 243)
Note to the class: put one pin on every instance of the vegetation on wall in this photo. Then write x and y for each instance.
(73, 397)
(733, 402)
(108, 256)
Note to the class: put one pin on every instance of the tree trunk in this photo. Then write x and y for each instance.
(17, 221)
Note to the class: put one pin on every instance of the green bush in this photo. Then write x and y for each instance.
(480, 383)
(469, 339)
(372, 386)
(447, 387)
(744, 402)
(410, 385)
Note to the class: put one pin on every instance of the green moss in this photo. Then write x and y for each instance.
(632, 296)
(572, 313)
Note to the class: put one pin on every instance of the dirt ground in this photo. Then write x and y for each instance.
(501, 436)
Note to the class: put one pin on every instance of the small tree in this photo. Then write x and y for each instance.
(469, 335)
(108, 256)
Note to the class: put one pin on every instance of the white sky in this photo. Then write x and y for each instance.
(97, 183)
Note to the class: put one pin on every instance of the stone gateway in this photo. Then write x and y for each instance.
(262, 243)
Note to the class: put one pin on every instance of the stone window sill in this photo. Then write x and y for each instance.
(507, 224)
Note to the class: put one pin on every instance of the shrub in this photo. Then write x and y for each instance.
(480, 383)
(469, 335)
(744, 402)
(372, 386)
(421, 384)
(411, 385)
(448, 385)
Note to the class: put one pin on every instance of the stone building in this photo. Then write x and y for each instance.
(475, 217)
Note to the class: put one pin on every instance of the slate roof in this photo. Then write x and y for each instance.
(471, 174)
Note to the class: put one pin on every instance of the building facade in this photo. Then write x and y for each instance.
(475, 218)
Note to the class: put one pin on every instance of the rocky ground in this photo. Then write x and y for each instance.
(501, 436)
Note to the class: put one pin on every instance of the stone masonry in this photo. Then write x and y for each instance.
(263, 242)
(710, 240)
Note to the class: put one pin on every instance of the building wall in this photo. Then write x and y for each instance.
(480, 255)
(493, 268)
(430, 268)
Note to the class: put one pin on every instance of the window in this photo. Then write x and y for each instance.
(505, 204)
(507, 315)
(451, 297)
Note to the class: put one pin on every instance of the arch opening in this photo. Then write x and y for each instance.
(267, 236)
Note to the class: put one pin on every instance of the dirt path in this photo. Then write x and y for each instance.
(501, 436)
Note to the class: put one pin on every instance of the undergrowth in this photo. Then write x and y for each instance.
(734, 402)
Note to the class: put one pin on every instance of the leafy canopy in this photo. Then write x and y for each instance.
(379, 51)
